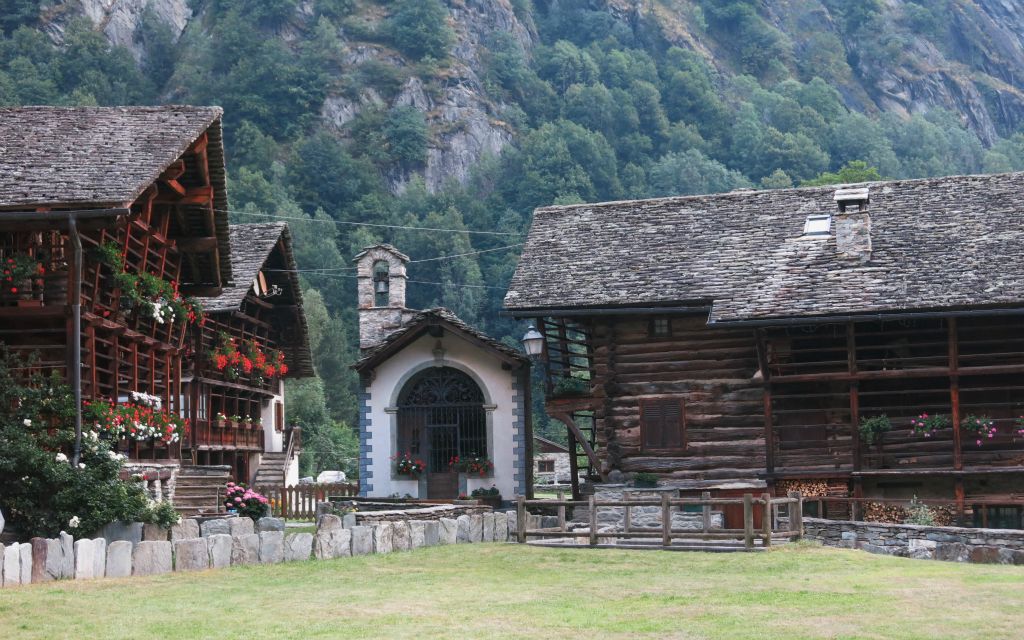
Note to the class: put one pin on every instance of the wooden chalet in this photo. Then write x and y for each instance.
(113, 227)
(736, 341)
(239, 417)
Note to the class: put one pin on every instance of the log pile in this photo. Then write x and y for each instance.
(880, 512)
(810, 488)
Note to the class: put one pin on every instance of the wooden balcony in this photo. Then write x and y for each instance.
(224, 435)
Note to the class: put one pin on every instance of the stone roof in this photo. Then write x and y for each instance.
(251, 249)
(419, 321)
(937, 244)
(103, 157)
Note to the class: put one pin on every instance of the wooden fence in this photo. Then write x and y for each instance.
(299, 502)
(771, 525)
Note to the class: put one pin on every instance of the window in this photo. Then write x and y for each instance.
(997, 516)
(660, 328)
(662, 424)
(545, 466)
(279, 416)
(818, 225)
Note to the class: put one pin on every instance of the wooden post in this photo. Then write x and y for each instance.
(561, 511)
(629, 515)
(954, 393)
(796, 514)
(593, 521)
(521, 519)
(666, 522)
(766, 519)
(748, 521)
(705, 511)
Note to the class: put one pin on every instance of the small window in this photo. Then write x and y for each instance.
(545, 466)
(662, 424)
(278, 416)
(660, 328)
(818, 225)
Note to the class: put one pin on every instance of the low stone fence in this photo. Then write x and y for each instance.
(194, 546)
(955, 544)
(435, 512)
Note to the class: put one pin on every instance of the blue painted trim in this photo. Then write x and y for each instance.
(518, 436)
(365, 448)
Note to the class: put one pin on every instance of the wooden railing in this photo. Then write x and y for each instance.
(771, 525)
(299, 502)
(209, 433)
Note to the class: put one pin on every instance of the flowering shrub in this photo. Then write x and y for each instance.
(246, 359)
(485, 493)
(475, 465)
(135, 421)
(981, 427)
(926, 425)
(1019, 424)
(245, 502)
(19, 270)
(406, 465)
(159, 299)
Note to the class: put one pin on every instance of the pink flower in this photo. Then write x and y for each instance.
(239, 500)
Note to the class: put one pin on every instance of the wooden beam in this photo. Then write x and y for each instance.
(174, 171)
(174, 186)
(196, 245)
(197, 195)
(574, 428)
(954, 392)
(851, 364)
(769, 427)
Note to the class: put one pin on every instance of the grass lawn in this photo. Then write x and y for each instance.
(511, 591)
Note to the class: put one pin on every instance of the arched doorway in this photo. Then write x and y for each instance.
(441, 415)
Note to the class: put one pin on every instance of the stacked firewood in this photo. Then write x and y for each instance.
(810, 488)
(944, 516)
(879, 512)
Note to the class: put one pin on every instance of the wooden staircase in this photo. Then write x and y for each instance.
(272, 469)
(199, 490)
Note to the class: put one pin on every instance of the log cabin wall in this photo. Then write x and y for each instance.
(709, 370)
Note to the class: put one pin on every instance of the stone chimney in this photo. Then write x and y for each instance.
(380, 278)
(853, 224)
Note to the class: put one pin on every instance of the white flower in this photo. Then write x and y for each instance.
(93, 435)
(81, 465)
(61, 457)
(74, 522)
(27, 422)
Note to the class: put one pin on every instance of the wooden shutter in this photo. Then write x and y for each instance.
(662, 424)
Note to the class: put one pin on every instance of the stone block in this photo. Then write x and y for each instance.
(448, 529)
(1006, 556)
(187, 529)
(218, 548)
(500, 527)
(84, 560)
(417, 534)
(487, 527)
(52, 559)
(298, 546)
(271, 546)
(269, 524)
(151, 558)
(332, 543)
(348, 520)
(462, 532)
(1, 521)
(431, 533)
(401, 536)
(512, 516)
(362, 540)
(10, 565)
(245, 549)
(329, 522)
(119, 559)
(67, 556)
(217, 526)
(128, 531)
(241, 526)
(984, 555)
(952, 552)
(382, 538)
(26, 562)
(476, 528)
(99, 558)
(40, 549)
(155, 533)
(191, 554)
(1016, 555)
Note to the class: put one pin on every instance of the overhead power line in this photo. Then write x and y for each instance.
(370, 224)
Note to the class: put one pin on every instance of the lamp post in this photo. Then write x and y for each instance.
(533, 341)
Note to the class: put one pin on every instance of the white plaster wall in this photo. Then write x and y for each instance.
(273, 440)
(483, 367)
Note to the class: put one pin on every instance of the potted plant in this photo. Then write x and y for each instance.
(20, 273)
(490, 497)
(235, 421)
(1019, 426)
(220, 420)
(406, 465)
(928, 425)
(474, 465)
(871, 429)
(570, 386)
(981, 428)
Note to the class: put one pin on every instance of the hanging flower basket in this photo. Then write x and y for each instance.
(981, 428)
(928, 425)
(406, 465)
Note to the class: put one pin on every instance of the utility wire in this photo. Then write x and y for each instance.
(370, 224)
(438, 258)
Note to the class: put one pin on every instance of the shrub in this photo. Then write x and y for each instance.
(483, 493)
(419, 28)
(42, 492)
(919, 513)
(163, 514)
(570, 386)
(872, 428)
(644, 479)
(245, 502)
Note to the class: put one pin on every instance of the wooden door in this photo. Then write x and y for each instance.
(442, 444)
(733, 513)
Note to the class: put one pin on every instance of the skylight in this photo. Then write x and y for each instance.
(818, 225)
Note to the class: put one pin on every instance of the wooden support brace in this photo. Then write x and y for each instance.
(766, 520)
(666, 521)
(521, 519)
(593, 521)
(748, 521)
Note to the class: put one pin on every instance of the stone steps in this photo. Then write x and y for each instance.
(200, 489)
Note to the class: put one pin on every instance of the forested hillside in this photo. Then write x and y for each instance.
(432, 116)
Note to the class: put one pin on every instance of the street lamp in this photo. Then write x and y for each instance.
(533, 341)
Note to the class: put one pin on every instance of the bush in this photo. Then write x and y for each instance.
(419, 28)
(245, 501)
(646, 480)
(872, 428)
(42, 493)
(919, 513)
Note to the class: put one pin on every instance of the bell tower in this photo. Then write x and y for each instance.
(380, 277)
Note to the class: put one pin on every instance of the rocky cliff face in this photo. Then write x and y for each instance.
(120, 19)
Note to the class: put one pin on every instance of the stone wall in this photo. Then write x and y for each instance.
(957, 544)
(562, 473)
(426, 513)
(613, 518)
(134, 549)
